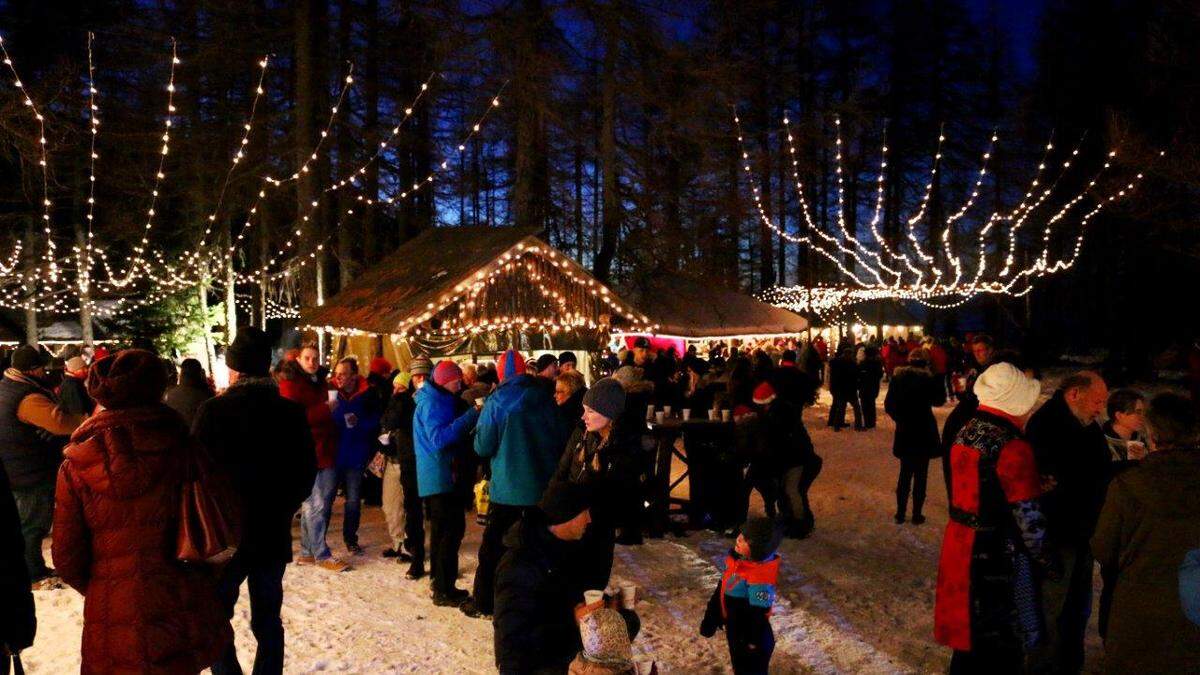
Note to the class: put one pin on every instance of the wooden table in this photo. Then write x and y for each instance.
(661, 502)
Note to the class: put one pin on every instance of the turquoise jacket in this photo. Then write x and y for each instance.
(439, 433)
(522, 433)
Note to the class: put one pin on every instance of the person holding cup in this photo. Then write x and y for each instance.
(1125, 428)
(356, 413)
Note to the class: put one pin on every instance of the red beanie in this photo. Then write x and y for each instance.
(446, 372)
(510, 364)
(380, 366)
(127, 379)
(764, 393)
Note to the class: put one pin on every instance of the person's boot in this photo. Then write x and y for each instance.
(473, 610)
(415, 571)
(917, 518)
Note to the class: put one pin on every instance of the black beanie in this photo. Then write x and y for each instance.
(545, 361)
(250, 353)
(567, 357)
(27, 358)
(763, 535)
(563, 500)
(606, 397)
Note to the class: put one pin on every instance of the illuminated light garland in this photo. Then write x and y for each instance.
(83, 274)
(139, 249)
(265, 269)
(50, 258)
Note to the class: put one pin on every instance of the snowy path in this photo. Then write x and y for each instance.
(856, 597)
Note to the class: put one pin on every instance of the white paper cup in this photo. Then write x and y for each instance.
(332, 395)
(726, 415)
(713, 414)
(628, 596)
(592, 597)
(649, 412)
(687, 414)
(658, 416)
(667, 410)
(479, 402)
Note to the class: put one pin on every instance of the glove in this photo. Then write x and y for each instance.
(708, 627)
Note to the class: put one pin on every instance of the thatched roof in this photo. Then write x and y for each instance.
(695, 308)
(419, 278)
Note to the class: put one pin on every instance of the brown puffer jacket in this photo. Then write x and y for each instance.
(115, 521)
(1151, 517)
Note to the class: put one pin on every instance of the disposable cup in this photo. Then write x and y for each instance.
(628, 596)
(726, 415)
(713, 414)
(479, 403)
(649, 412)
(667, 410)
(331, 395)
(687, 414)
(659, 416)
(592, 597)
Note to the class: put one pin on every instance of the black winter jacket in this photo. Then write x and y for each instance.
(262, 442)
(870, 372)
(73, 397)
(537, 590)
(18, 622)
(843, 377)
(397, 422)
(785, 442)
(1078, 458)
(911, 397)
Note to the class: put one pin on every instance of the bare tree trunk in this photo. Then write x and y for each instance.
(210, 352)
(611, 221)
(31, 324)
(230, 302)
(370, 220)
(311, 91)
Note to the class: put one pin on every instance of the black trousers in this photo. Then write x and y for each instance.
(867, 400)
(447, 524)
(837, 411)
(750, 657)
(414, 511)
(914, 475)
(500, 518)
(265, 581)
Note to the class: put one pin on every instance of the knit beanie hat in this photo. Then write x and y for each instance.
(764, 393)
(788, 357)
(28, 357)
(567, 357)
(1004, 387)
(446, 372)
(402, 379)
(250, 353)
(76, 366)
(380, 366)
(420, 365)
(763, 535)
(127, 379)
(544, 361)
(628, 375)
(605, 638)
(563, 500)
(510, 364)
(606, 397)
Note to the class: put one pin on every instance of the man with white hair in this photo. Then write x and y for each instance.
(996, 534)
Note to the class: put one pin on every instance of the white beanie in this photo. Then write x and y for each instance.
(1004, 387)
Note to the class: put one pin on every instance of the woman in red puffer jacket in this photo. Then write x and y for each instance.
(116, 517)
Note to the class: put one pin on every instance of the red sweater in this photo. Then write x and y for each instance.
(295, 385)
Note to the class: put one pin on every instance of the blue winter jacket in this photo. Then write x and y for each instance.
(437, 433)
(356, 445)
(523, 434)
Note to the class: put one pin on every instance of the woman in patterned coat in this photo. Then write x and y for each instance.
(986, 608)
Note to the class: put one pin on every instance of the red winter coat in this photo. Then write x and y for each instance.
(116, 517)
(295, 385)
(938, 359)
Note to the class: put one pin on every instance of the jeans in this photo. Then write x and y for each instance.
(265, 582)
(914, 475)
(447, 524)
(500, 518)
(1066, 606)
(35, 508)
(318, 508)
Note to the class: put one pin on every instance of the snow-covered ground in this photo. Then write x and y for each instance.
(856, 597)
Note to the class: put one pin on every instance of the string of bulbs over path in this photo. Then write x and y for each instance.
(969, 263)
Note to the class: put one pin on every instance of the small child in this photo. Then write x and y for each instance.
(742, 601)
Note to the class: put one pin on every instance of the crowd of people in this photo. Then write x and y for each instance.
(101, 455)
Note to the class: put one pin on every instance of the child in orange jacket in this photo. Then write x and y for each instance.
(742, 602)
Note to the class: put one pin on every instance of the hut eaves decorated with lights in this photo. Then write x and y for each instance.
(465, 291)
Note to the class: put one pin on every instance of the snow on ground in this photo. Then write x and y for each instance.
(856, 597)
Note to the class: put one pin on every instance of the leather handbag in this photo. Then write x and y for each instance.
(208, 533)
